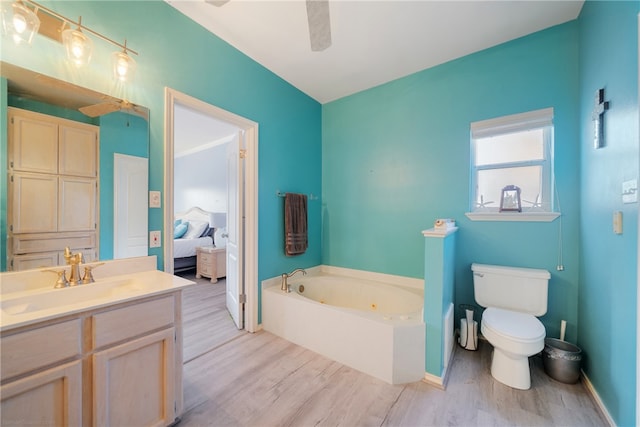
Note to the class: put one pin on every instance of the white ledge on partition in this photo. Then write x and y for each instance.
(513, 216)
(434, 232)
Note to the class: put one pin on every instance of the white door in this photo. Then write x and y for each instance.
(131, 205)
(235, 222)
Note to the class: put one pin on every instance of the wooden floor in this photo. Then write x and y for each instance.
(233, 378)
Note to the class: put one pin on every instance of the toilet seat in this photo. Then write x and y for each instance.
(513, 326)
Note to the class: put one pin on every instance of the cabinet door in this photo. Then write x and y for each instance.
(77, 204)
(78, 150)
(34, 203)
(33, 143)
(51, 398)
(134, 382)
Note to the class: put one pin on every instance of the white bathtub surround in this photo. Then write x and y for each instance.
(374, 327)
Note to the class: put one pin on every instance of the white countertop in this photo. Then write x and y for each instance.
(24, 303)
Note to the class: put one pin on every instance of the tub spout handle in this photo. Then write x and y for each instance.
(285, 286)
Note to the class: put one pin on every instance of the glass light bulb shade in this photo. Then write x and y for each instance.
(19, 22)
(124, 66)
(79, 47)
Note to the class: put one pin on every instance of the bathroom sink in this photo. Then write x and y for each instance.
(55, 298)
(23, 303)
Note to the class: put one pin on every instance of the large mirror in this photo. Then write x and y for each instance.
(121, 178)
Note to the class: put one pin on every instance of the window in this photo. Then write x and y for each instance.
(513, 150)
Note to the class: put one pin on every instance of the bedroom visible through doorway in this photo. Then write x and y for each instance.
(211, 184)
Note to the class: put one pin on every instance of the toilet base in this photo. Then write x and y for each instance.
(511, 370)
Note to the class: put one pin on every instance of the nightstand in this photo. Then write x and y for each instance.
(211, 262)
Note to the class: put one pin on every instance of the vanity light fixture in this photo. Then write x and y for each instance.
(19, 22)
(78, 46)
(21, 19)
(124, 66)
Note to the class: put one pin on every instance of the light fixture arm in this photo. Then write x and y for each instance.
(55, 14)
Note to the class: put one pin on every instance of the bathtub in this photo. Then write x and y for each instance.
(374, 327)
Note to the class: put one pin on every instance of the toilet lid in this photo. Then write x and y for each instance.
(514, 325)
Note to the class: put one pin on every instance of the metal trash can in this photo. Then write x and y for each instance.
(561, 360)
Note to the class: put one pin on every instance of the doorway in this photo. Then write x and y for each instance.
(247, 218)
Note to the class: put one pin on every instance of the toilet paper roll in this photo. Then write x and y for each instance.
(468, 335)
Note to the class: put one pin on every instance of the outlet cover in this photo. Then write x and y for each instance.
(154, 239)
(154, 199)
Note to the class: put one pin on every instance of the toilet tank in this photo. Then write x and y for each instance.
(519, 289)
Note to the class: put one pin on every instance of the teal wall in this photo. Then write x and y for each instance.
(439, 281)
(122, 133)
(396, 157)
(609, 262)
(390, 160)
(175, 52)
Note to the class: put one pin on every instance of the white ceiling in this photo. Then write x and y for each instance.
(195, 131)
(373, 42)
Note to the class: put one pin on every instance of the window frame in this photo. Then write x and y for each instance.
(537, 119)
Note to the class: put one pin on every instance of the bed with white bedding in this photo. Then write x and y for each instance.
(198, 232)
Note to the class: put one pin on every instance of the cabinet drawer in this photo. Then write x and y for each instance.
(39, 347)
(206, 258)
(46, 242)
(122, 323)
(206, 269)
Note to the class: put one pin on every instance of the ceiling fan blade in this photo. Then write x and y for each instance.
(217, 3)
(101, 109)
(319, 24)
(137, 110)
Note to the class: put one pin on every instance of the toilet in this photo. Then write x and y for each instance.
(513, 298)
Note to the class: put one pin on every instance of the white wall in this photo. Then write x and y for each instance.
(200, 179)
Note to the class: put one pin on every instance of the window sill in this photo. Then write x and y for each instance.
(513, 216)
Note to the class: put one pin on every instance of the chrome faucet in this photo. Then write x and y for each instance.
(285, 286)
(74, 260)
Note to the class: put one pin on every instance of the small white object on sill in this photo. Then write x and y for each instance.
(444, 224)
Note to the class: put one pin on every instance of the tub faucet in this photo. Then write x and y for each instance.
(285, 276)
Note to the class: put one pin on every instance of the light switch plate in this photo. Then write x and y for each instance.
(154, 239)
(630, 191)
(154, 199)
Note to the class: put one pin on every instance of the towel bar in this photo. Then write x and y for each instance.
(310, 196)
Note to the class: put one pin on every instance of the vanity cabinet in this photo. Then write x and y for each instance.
(133, 365)
(53, 184)
(42, 375)
(119, 365)
(49, 398)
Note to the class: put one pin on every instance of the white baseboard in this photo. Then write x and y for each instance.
(596, 398)
(434, 380)
(441, 382)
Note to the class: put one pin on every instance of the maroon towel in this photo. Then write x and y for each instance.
(295, 224)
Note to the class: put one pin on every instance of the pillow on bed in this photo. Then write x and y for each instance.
(180, 230)
(196, 228)
(207, 231)
(177, 222)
